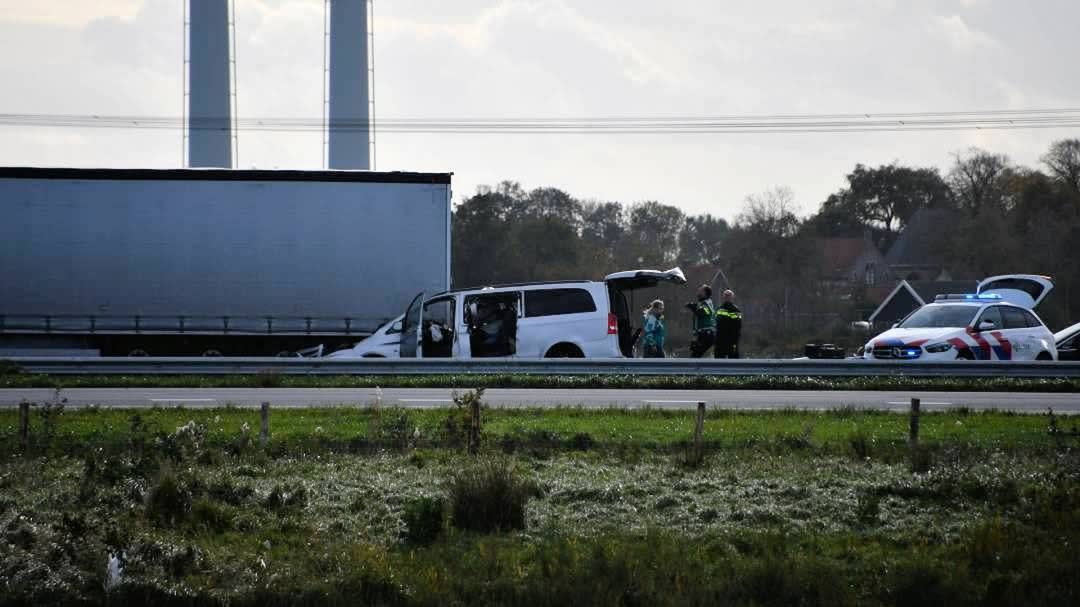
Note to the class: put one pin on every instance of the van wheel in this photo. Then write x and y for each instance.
(212, 352)
(138, 352)
(564, 351)
(1044, 356)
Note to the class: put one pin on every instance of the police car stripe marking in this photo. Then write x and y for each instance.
(1004, 348)
(983, 345)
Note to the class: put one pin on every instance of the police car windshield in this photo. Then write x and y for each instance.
(932, 317)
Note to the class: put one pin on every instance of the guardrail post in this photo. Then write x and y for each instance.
(264, 431)
(913, 430)
(24, 425)
(699, 429)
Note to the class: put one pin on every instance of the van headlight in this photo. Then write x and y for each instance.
(938, 348)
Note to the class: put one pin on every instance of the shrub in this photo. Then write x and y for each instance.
(922, 459)
(390, 427)
(210, 516)
(423, 520)
(860, 445)
(282, 497)
(488, 496)
(868, 509)
(458, 428)
(582, 441)
(169, 499)
(234, 495)
(186, 442)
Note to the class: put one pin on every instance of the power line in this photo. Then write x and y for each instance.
(604, 125)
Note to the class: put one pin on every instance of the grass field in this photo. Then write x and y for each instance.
(470, 381)
(372, 506)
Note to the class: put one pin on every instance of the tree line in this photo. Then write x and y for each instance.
(999, 217)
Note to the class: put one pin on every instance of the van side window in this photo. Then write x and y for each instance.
(550, 302)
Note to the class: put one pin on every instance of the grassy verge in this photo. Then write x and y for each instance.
(359, 429)
(356, 506)
(762, 382)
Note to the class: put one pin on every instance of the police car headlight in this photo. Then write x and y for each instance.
(938, 348)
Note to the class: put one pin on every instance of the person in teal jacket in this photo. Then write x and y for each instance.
(655, 331)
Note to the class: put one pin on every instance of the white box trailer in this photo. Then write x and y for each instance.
(212, 261)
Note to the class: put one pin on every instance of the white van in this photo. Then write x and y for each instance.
(575, 319)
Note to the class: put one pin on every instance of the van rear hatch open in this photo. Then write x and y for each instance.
(643, 279)
(619, 318)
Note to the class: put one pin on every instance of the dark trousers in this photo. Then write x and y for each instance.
(654, 352)
(703, 340)
(726, 349)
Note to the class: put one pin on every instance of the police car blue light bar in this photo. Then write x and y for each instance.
(968, 297)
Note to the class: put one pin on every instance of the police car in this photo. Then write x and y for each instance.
(994, 323)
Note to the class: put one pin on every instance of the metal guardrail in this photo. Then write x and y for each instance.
(669, 366)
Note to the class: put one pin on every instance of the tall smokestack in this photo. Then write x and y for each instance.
(349, 113)
(209, 111)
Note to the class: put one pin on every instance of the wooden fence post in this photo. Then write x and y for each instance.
(699, 429)
(913, 432)
(24, 425)
(264, 432)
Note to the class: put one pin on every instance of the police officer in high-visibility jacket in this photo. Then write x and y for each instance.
(704, 322)
(728, 327)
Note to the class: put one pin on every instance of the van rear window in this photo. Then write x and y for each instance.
(551, 302)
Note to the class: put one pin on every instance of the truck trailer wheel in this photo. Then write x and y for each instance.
(138, 352)
(212, 352)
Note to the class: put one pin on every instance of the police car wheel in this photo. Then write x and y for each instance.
(965, 354)
(1044, 356)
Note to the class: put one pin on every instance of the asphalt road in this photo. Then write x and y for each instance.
(439, 397)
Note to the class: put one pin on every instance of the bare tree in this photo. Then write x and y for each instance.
(978, 179)
(773, 212)
(1063, 159)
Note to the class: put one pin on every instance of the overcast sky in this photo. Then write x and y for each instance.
(556, 58)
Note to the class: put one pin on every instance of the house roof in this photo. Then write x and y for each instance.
(909, 295)
(917, 243)
(928, 289)
(840, 254)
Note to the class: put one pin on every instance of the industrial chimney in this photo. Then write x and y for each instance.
(209, 92)
(349, 113)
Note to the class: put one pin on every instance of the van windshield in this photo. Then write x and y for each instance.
(932, 317)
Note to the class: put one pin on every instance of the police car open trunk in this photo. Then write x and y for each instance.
(1026, 290)
(620, 319)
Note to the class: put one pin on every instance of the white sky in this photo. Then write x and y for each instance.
(557, 58)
